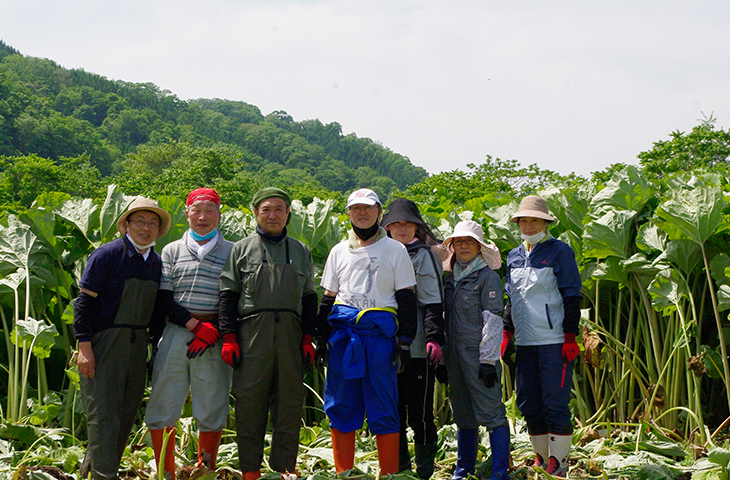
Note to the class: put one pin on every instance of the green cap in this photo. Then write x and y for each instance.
(270, 192)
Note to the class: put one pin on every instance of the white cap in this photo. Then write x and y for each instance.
(364, 196)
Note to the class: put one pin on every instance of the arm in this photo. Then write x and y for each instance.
(85, 309)
(407, 314)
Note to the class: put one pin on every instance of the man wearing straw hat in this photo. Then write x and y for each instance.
(543, 311)
(112, 313)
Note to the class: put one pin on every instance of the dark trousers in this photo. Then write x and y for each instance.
(415, 401)
(544, 380)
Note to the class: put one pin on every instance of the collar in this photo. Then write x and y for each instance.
(271, 238)
(352, 238)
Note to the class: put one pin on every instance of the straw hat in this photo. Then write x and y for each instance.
(142, 203)
(470, 228)
(532, 206)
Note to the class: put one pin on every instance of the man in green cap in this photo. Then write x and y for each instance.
(268, 306)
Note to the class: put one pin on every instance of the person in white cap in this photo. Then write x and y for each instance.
(372, 326)
(112, 313)
(473, 305)
(542, 313)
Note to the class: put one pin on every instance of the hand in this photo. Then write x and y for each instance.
(85, 361)
(442, 374)
(196, 347)
(402, 356)
(570, 347)
(231, 353)
(488, 373)
(506, 337)
(205, 332)
(320, 353)
(307, 350)
(433, 351)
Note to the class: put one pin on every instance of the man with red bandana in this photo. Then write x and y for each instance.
(189, 295)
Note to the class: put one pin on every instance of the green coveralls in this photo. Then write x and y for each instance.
(113, 396)
(272, 279)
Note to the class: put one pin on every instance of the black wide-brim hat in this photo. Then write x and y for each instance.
(402, 210)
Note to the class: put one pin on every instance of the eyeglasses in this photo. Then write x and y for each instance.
(139, 223)
(466, 241)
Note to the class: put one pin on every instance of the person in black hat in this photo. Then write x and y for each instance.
(416, 383)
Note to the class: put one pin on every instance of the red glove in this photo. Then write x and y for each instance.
(506, 337)
(206, 332)
(433, 350)
(307, 350)
(231, 353)
(196, 347)
(570, 347)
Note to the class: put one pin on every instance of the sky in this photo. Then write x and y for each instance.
(572, 86)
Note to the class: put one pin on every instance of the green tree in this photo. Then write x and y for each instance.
(704, 147)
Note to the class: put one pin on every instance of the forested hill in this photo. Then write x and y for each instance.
(131, 131)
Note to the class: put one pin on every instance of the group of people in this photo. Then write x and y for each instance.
(246, 318)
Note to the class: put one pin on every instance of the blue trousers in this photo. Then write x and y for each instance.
(544, 380)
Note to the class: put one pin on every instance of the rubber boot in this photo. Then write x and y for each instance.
(467, 441)
(158, 436)
(251, 475)
(425, 456)
(343, 449)
(208, 443)
(388, 452)
(541, 449)
(559, 452)
(404, 457)
(499, 443)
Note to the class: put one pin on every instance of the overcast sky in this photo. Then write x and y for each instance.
(572, 86)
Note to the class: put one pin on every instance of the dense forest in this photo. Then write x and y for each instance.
(75, 131)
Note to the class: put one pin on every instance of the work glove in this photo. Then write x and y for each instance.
(506, 337)
(488, 373)
(402, 356)
(231, 353)
(205, 332)
(320, 353)
(433, 351)
(307, 350)
(442, 375)
(196, 347)
(570, 347)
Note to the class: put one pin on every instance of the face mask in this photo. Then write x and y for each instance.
(200, 238)
(137, 245)
(534, 239)
(365, 233)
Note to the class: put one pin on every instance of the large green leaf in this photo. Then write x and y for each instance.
(651, 238)
(83, 214)
(41, 335)
(683, 254)
(629, 189)
(695, 213)
(609, 235)
(235, 225)
(114, 205)
(42, 222)
(179, 221)
(570, 206)
(667, 290)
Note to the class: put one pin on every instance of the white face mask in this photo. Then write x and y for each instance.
(533, 239)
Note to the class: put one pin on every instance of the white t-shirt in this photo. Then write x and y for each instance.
(368, 277)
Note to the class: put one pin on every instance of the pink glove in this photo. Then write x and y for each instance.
(307, 350)
(570, 347)
(506, 337)
(206, 332)
(433, 350)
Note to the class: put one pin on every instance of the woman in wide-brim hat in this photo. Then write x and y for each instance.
(473, 305)
(403, 222)
(543, 311)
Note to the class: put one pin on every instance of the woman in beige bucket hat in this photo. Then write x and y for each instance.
(473, 305)
(543, 311)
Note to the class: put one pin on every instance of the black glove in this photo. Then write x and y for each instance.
(442, 375)
(320, 353)
(402, 356)
(488, 373)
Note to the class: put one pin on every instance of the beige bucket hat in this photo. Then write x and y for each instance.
(470, 228)
(142, 203)
(532, 206)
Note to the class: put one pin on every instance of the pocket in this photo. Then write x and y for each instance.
(547, 315)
